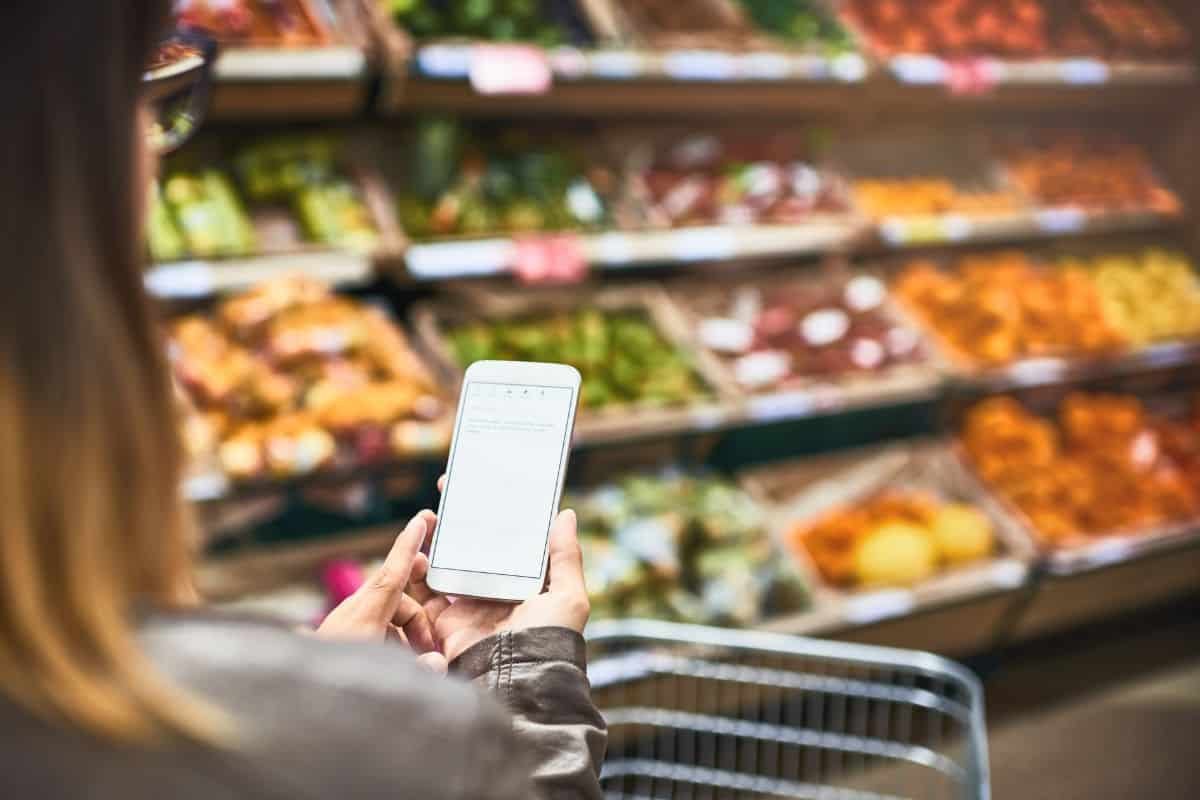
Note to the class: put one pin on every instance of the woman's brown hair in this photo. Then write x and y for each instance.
(92, 525)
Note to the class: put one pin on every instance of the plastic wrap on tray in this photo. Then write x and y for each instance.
(638, 373)
(277, 195)
(902, 176)
(734, 179)
(290, 378)
(268, 23)
(732, 25)
(546, 23)
(1090, 173)
(1020, 29)
(462, 182)
(903, 517)
(1103, 466)
(689, 549)
(993, 309)
(779, 335)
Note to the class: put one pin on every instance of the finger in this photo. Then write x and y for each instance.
(411, 618)
(419, 590)
(442, 483)
(434, 662)
(396, 635)
(566, 559)
(381, 595)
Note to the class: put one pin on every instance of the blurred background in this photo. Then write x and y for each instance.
(887, 314)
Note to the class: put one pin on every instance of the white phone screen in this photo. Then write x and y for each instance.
(504, 470)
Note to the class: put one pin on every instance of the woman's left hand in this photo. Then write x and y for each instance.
(382, 607)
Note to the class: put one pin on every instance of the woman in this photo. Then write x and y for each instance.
(109, 686)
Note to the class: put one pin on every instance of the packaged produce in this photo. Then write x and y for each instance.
(1090, 174)
(623, 357)
(897, 537)
(880, 198)
(736, 180)
(1105, 466)
(202, 209)
(682, 548)
(1147, 296)
(292, 378)
(992, 309)
(733, 25)
(307, 175)
(547, 23)
(1020, 29)
(779, 335)
(461, 184)
(271, 23)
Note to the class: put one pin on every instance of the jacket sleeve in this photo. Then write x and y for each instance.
(541, 677)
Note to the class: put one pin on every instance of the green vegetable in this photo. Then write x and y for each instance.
(800, 22)
(621, 355)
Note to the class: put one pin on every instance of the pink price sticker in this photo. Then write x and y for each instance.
(557, 258)
(970, 76)
(510, 69)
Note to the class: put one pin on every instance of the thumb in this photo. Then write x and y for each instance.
(566, 559)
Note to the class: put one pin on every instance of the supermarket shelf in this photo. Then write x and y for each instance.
(193, 279)
(256, 83)
(1112, 550)
(1049, 371)
(1073, 73)
(622, 250)
(1044, 223)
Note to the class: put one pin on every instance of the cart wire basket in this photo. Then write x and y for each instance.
(714, 714)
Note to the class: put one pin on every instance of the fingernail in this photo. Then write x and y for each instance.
(568, 513)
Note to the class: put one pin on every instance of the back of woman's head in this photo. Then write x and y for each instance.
(91, 523)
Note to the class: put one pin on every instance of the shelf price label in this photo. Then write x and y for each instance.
(766, 66)
(445, 60)
(617, 65)
(971, 76)
(510, 69)
(181, 279)
(920, 69)
(868, 608)
(700, 65)
(1085, 71)
(781, 406)
(900, 231)
(1061, 220)
(550, 259)
(704, 244)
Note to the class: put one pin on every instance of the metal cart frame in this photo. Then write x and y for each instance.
(697, 712)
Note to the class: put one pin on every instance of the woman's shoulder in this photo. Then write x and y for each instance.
(346, 718)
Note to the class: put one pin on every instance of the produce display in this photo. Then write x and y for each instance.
(623, 357)
(307, 175)
(880, 198)
(995, 308)
(782, 335)
(707, 179)
(684, 549)
(1020, 29)
(1090, 174)
(894, 538)
(290, 378)
(992, 309)
(198, 214)
(1106, 465)
(278, 195)
(1147, 297)
(460, 184)
(272, 23)
(798, 23)
(548, 23)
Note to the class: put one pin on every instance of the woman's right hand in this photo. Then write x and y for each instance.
(460, 624)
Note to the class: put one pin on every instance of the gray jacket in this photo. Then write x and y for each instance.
(338, 720)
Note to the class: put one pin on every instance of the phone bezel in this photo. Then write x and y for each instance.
(508, 588)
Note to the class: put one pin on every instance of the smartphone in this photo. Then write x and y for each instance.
(508, 459)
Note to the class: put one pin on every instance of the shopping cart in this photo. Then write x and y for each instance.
(705, 713)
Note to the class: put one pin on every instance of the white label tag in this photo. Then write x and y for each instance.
(919, 69)
(272, 63)
(1084, 71)
(460, 259)
(612, 248)
(780, 406)
(1061, 220)
(616, 64)
(765, 66)
(510, 69)
(700, 65)
(182, 279)
(445, 60)
(849, 67)
(877, 606)
(706, 418)
(1008, 574)
(703, 244)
